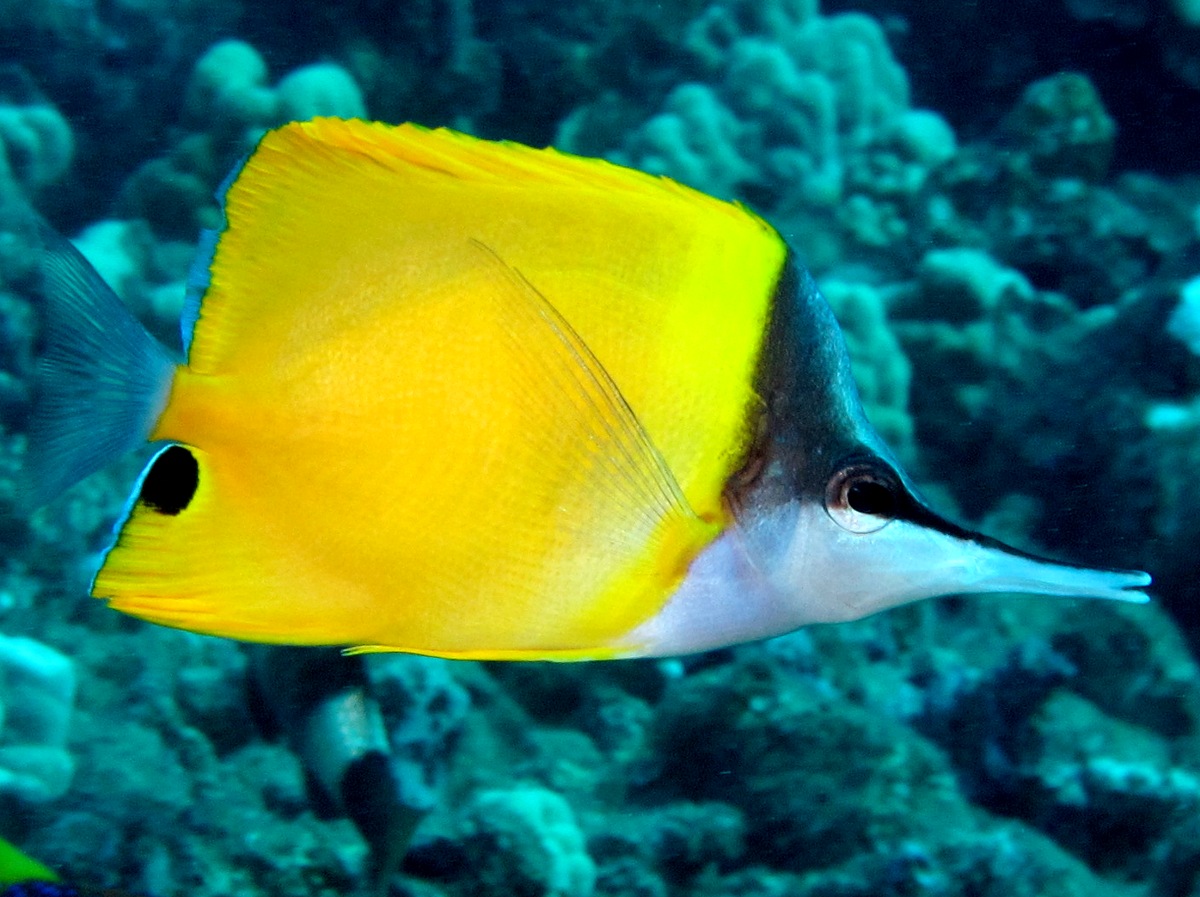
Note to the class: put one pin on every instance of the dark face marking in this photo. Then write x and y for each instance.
(171, 481)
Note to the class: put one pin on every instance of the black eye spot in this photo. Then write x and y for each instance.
(871, 497)
(171, 481)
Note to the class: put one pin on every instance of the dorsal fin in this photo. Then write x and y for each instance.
(198, 279)
(280, 200)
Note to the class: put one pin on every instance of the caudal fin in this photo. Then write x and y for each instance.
(102, 380)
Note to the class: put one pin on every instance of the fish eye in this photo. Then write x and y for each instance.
(862, 497)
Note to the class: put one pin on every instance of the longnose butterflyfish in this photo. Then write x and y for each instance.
(473, 399)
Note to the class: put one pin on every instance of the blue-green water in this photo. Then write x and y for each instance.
(999, 200)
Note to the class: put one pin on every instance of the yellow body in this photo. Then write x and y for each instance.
(452, 397)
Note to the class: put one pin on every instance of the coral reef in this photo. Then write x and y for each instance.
(228, 105)
(36, 144)
(425, 709)
(525, 840)
(808, 115)
(999, 201)
(37, 694)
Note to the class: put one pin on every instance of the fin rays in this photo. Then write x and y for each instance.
(101, 378)
(617, 441)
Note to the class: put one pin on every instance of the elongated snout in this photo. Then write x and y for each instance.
(990, 566)
(836, 573)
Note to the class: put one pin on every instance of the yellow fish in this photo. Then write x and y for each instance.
(478, 400)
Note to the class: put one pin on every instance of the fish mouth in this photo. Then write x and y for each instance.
(1005, 569)
(987, 565)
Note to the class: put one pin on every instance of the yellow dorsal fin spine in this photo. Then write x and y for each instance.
(284, 176)
(454, 154)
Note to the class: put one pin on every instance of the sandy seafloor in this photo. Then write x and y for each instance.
(999, 199)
